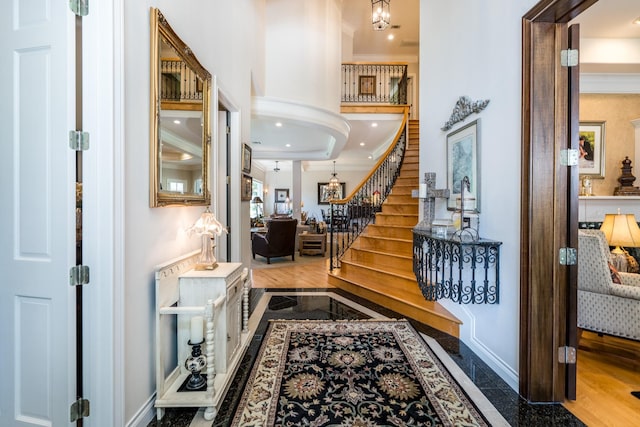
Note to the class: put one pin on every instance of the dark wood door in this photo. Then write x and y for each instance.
(549, 201)
(572, 209)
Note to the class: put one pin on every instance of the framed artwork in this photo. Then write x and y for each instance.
(463, 160)
(367, 85)
(247, 185)
(246, 158)
(281, 195)
(325, 195)
(591, 149)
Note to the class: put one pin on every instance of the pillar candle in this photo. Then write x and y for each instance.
(197, 329)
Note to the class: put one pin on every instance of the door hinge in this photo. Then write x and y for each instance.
(79, 409)
(78, 140)
(79, 7)
(568, 256)
(569, 57)
(567, 355)
(228, 130)
(79, 275)
(569, 157)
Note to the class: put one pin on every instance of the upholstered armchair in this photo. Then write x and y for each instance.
(278, 241)
(603, 305)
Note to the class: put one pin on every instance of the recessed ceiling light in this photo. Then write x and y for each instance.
(362, 144)
(176, 121)
(278, 124)
(374, 125)
(637, 21)
(287, 145)
(390, 37)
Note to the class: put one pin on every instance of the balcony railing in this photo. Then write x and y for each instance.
(380, 83)
(179, 82)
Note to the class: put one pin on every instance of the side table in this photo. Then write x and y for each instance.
(312, 244)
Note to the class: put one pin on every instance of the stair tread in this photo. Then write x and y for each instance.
(428, 306)
(379, 252)
(401, 273)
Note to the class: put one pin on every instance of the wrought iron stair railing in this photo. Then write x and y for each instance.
(349, 216)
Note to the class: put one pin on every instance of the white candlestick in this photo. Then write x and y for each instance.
(197, 329)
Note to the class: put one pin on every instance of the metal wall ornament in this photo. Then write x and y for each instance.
(463, 109)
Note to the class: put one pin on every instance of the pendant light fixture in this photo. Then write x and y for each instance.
(334, 183)
(276, 169)
(380, 14)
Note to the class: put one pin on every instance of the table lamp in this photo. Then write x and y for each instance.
(206, 226)
(258, 202)
(621, 230)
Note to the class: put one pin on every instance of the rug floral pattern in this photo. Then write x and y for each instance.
(350, 373)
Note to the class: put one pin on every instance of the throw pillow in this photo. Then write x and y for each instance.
(615, 276)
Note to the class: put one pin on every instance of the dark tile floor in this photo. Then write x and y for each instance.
(516, 410)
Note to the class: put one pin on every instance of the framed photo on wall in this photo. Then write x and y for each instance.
(367, 85)
(462, 160)
(591, 149)
(246, 189)
(324, 195)
(281, 195)
(246, 158)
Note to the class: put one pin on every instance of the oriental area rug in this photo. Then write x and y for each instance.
(351, 373)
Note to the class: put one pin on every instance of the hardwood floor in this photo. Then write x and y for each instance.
(608, 367)
(608, 371)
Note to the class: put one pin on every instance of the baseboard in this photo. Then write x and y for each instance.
(488, 356)
(145, 414)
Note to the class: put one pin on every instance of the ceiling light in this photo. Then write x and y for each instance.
(370, 157)
(176, 121)
(287, 145)
(380, 14)
(374, 125)
(390, 37)
(278, 124)
(276, 169)
(637, 21)
(362, 144)
(334, 183)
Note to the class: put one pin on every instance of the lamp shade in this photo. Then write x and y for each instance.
(621, 230)
(206, 226)
(257, 199)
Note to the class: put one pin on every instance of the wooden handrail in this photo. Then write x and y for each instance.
(378, 163)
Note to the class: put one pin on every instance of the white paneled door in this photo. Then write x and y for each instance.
(37, 203)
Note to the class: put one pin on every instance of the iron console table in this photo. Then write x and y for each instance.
(465, 272)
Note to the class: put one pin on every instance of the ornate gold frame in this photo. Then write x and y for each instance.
(161, 28)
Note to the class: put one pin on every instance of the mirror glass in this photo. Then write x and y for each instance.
(180, 136)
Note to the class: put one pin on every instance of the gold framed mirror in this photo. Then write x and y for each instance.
(179, 130)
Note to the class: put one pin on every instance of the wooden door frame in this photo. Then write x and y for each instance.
(546, 218)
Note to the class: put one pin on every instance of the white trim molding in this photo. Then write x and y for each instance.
(609, 83)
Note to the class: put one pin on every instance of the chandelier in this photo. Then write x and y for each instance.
(380, 14)
(334, 184)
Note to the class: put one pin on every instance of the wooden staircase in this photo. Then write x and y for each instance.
(379, 264)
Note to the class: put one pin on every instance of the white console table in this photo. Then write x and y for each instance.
(221, 297)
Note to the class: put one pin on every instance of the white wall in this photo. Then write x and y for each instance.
(474, 48)
(155, 235)
(303, 52)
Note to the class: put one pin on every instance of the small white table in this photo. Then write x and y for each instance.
(221, 297)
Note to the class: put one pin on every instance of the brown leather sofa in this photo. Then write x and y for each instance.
(278, 241)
